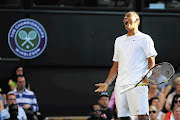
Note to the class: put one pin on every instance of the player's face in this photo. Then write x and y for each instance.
(103, 101)
(130, 21)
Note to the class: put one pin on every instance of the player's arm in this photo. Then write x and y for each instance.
(112, 75)
(151, 62)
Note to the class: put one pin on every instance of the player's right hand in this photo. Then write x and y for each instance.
(144, 80)
(102, 87)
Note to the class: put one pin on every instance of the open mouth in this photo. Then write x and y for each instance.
(126, 22)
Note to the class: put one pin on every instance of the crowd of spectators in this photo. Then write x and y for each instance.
(20, 102)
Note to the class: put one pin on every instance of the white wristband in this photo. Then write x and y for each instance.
(106, 84)
(149, 73)
(146, 72)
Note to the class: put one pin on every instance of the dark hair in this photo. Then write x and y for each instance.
(174, 99)
(91, 108)
(150, 101)
(20, 76)
(15, 68)
(14, 75)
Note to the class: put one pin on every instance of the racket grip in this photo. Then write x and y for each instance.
(127, 89)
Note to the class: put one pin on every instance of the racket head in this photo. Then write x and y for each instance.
(160, 73)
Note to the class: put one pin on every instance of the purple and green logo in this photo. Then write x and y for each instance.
(27, 38)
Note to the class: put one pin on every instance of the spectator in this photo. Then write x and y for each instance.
(176, 112)
(170, 88)
(17, 71)
(95, 113)
(4, 114)
(154, 92)
(155, 101)
(1, 103)
(25, 98)
(153, 112)
(11, 99)
(103, 102)
(175, 102)
(170, 96)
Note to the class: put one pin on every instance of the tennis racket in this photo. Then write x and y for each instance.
(158, 74)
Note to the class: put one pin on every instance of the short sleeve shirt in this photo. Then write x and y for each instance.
(131, 53)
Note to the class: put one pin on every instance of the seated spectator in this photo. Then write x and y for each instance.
(103, 102)
(19, 70)
(170, 87)
(1, 103)
(153, 112)
(95, 113)
(4, 114)
(11, 99)
(25, 98)
(155, 101)
(175, 102)
(154, 92)
(170, 96)
(176, 112)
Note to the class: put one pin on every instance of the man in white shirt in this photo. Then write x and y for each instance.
(134, 54)
(11, 99)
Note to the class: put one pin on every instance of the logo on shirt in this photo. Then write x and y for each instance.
(135, 40)
(27, 38)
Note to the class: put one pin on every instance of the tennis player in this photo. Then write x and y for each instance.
(134, 54)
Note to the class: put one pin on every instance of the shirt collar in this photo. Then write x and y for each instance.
(25, 90)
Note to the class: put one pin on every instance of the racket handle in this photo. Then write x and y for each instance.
(127, 89)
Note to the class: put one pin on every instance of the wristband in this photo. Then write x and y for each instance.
(106, 84)
(146, 72)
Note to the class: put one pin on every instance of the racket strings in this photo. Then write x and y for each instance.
(160, 73)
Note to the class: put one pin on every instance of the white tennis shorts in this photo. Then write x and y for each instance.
(132, 102)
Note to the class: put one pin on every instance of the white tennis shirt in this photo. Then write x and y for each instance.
(131, 53)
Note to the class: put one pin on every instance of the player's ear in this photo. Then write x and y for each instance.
(136, 20)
